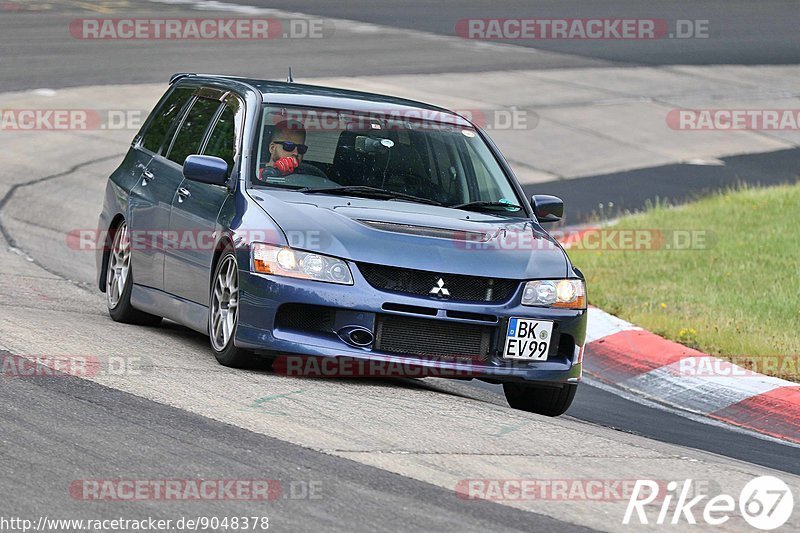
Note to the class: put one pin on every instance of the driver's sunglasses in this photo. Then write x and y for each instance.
(289, 146)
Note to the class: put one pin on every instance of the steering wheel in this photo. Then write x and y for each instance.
(311, 170)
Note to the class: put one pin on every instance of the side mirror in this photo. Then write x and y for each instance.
(547, 208)
(206, 169)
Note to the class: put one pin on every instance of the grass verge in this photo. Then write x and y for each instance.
(721, 275)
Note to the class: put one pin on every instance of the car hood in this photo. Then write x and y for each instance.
(416, 236)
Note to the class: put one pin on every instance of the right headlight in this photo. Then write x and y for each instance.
(285, 261)
(562, 293)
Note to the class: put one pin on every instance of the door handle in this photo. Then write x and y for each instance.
(183, 193)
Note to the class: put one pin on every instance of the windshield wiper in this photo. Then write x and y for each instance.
(368, 192)
(488, 206)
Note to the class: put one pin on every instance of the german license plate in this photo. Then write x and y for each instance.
(527, 339)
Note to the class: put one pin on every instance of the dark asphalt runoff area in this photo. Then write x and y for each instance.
(587, 199)
(604, 408)
(40, 51)
(739, 31)
(60, 430)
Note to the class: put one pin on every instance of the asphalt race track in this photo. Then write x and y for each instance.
(383, 455)
(740, 32)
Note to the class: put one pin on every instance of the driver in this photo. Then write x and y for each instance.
(286, 150)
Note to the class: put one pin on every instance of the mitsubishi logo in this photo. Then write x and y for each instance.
(439, 289)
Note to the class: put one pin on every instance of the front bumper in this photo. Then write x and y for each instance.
(262, 296)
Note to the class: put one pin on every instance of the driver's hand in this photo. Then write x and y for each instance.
(286, 165)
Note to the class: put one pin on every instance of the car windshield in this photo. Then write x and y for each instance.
(386, 156)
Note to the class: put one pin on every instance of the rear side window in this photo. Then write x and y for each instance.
(168, 114)
(221, 142)
(190, 136)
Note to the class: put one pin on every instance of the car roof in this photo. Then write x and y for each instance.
(291, 93)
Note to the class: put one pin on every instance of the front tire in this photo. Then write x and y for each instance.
(119, 282)
(223, 314)
(548, 401)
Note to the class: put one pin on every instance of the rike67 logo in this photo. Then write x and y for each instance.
(766, 503)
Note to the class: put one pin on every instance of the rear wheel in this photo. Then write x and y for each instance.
(223, 314)
(548, 401)
(119, 282)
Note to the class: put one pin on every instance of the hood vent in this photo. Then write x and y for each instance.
(426, 231)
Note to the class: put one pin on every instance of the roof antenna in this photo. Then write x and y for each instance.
(290, 79)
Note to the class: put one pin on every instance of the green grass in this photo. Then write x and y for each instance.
(736, 295)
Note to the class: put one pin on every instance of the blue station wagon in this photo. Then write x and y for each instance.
(290, 220)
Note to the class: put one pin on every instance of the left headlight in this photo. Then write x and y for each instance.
(285, 261)
(563, 293)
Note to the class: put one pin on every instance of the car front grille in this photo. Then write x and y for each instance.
(425, 283)
(431, 337)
